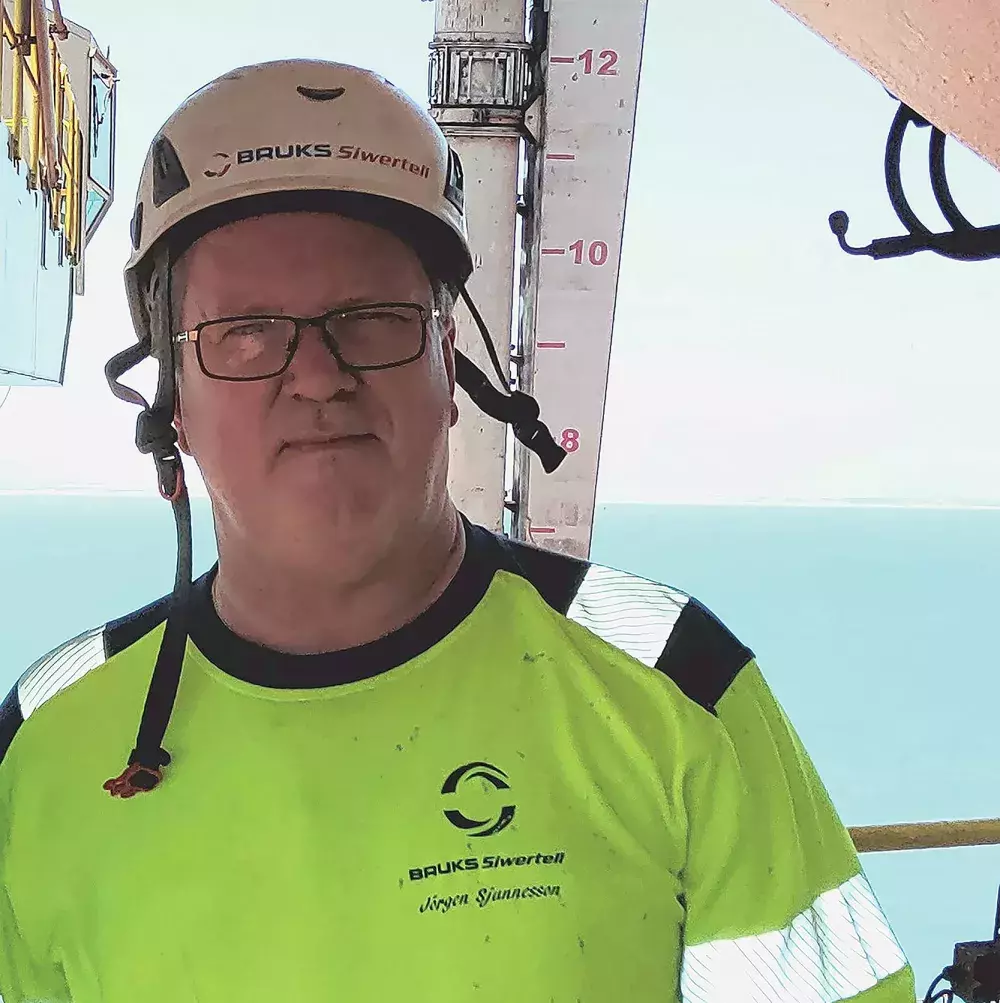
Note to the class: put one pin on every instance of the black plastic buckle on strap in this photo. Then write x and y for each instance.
(532, 432)
(155, 434)
(516, 409)
(170, 475)
(143, 774)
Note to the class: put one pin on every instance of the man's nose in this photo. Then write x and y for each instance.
(315, 372)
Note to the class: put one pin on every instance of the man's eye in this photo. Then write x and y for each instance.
(245, 329)
(379, 315)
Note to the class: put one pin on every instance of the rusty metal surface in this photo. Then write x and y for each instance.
(942, 57)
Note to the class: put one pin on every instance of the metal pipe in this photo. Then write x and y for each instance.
(34, 118)
(43, 53)
(4, 22)
(70, 156)
(59, 25)
(926, 835)
(477, 68)
(480, 20)
(62, 193)
(76, 219)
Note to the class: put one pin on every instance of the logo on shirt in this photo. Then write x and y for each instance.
(491, 775)
(484, 785)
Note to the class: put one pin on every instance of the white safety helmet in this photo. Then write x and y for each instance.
(299, 134)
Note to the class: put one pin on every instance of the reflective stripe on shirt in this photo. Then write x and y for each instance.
(838, 947)
(635, 615)
(59, 669)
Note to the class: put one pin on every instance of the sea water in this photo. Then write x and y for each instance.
(877, 628)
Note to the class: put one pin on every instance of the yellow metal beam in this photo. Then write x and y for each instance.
(44, 112)
(21, 28)
(926, 835)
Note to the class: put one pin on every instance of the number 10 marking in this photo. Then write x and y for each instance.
(597, 252)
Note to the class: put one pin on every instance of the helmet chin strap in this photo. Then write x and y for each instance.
(517, 409)
(156, 435)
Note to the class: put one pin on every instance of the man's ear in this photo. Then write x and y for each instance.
(182, 439)
(448, 352)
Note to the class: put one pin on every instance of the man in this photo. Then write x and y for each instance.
(400, 757)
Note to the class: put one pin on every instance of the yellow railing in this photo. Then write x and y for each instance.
(43, 110)
(926, 835)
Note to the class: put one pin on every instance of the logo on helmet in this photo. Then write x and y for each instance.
(223, 162)
(286, 151)
(321, 93)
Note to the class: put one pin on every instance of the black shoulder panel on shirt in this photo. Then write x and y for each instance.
(702, 655)
(557, 577)
(699, 653)
(10, 721)
(126, 630)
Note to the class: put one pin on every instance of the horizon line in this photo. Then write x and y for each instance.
(889, 503)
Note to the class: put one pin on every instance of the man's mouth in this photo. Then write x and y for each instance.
(330, 442)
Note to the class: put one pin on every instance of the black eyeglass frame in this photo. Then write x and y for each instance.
(192, 335)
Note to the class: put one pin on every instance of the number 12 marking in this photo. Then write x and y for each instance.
(606, 69)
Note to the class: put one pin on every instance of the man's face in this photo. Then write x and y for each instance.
(293, 501)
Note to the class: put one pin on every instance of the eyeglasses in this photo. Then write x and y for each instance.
(261, 346)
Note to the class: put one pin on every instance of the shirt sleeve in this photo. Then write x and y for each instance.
(778, 908)
(24, 977)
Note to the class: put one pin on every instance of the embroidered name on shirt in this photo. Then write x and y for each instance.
(487, 896)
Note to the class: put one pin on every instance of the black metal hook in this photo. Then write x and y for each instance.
(964, 242)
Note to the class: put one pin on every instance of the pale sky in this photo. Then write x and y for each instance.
(752, 360)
